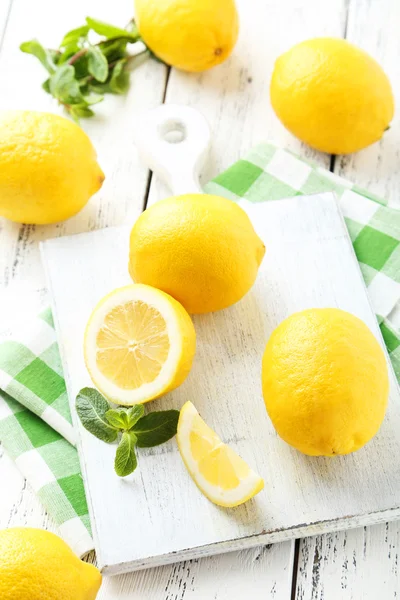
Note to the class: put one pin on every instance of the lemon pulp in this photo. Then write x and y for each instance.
(223, 476)
(132, 345)
(139, 344)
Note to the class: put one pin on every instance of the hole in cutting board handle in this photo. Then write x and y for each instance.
(173, 131)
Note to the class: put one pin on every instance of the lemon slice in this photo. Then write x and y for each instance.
(222, 476)
(139, 344)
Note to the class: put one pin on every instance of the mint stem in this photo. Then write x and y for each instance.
(77, 56)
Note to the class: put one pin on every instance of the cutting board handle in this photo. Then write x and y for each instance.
(172, 141)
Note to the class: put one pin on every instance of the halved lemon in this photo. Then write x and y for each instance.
(222, 476)
(139, 344)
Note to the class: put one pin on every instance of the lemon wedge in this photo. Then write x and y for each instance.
(222, 476)
(139, 344)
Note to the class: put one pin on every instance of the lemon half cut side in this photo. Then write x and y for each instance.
(139, 344)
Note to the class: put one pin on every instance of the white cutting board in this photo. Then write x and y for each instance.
(158, 515)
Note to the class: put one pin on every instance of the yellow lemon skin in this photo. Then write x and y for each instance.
(325, 382)
(48, 167)
(332, 95)
(192, 35)
(200, 249)
(38, 565)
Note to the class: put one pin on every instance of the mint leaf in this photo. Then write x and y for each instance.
(97, 64)
(65, 87)
(77, 112)
(91, 407)
(156, 428)
(36, 49)
(93, 98)
(110, 31)
(114, 49)
(125, 457)
(81, 66)
(101, 88)
(117, 418)
(125, 418)
(46, 86)
(119, 82)
(68, 53)
(134, 413)
(74, 35)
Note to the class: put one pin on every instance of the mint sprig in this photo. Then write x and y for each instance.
(81, 71)
(130, 426)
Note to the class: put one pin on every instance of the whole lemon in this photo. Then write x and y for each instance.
(332, 95)
(48, 168)
(200, 249)
(38, 565)
(325, 382)
(192, 35)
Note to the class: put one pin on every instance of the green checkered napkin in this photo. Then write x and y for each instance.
(36, 430)
(35, 423)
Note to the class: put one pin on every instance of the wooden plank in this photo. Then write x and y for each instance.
(264, 572)
(234, 97)
(111, 131)
(310, 262)
(5, 8)
(363, 564)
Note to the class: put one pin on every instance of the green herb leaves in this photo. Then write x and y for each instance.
(125, 457)
(64, 86)
(92, 407)
(36, 49)
(74, 36)
(130, 425)
(119, 82)
(111, 32)
(156, 428)
(97, 64)
(82, 67)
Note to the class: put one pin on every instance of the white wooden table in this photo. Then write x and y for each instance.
(360, 564)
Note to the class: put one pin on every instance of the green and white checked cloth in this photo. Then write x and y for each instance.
(35, 422)
(36, 429)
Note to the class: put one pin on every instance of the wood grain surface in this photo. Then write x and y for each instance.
(235, 99)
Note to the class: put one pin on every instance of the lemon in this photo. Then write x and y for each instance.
(199, 248)
(192, 35)
(325, 382)
(222, 476)
(139, 344)
(37, 565)
(48, 168)
(332, 95)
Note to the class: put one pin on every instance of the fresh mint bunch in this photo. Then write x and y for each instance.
(130, 426)
(80, 72)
